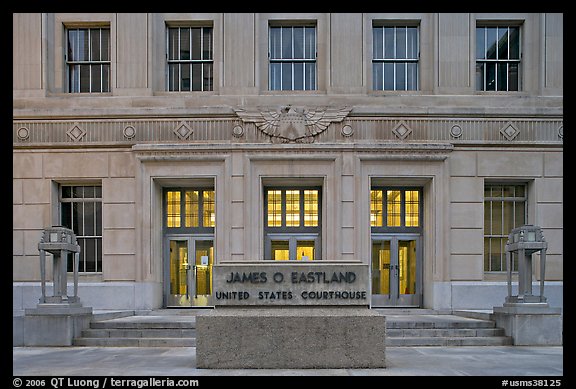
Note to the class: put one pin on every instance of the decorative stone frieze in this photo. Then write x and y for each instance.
(293, 124)
(301, 126)
(76, 133)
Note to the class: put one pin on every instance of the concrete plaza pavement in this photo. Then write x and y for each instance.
(505, 361)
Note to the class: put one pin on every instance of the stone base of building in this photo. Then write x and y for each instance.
(530, 324)
(55, 324)
(291, 338)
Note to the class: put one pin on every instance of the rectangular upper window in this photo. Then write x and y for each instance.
(190, 59)
(292, 55)
(498, 58)
(395, 52)
(88, 60)
(81, 211)
(504, 209)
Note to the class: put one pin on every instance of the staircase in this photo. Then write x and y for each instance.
(177, 328)
(418, 328)
(152, 329)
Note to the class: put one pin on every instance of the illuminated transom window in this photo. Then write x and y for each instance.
(396, 208)
(188, 208)
(292, 227)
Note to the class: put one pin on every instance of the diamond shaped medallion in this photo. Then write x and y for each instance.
(402, 130)
(75, 132)
(183, 131)
(509, 131)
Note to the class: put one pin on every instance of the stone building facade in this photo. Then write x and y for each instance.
(172, 142)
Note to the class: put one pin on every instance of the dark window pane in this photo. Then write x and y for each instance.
(207, 77)
(88, 192)
(275, 76)
(310, 43)
(491, 42)
(96, 78)
(184, 44)
(196, 76)
(377, 73)
(400, 42)
(83, 48)
(66, 192)
(77, 210)
(388, 42)
(196, 43)
(73, 45)
(388, 76)
(105, 44)
(78, 192)
(74, 78)
(490, 76)
(401, 76)
(298, 75)
(503, 43)
(310, 74)
(95, 45)
(412, 76)
(298, 42)
(89, 218)
(207, 44)
(173, 44)
(90, 255)
(377, 43)
(502, 76)
(275, 43)
(173, 77)
(287, 42)
(98, 218)
(286, 76)
(514, 43)
(98, 254)
(105, 78)
(185, 77)
(513, 77)
(84, 78)
(66, 215)
(480, 43)
(480, 76)
(412, 42)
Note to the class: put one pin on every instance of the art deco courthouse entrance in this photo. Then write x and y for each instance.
(173, 142)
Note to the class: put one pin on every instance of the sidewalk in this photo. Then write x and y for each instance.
(505, 361)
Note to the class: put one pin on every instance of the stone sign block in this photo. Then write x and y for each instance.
(291, 338)
(291, 284)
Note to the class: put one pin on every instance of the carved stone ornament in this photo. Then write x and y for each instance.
(293, 124)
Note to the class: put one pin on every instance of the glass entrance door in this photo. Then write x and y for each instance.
(396, 271)
(189, 263)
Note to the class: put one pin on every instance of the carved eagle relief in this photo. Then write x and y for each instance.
(291, 124)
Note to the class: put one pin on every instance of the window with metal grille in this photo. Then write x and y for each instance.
(190, 60)
(292, 55)
(498, 58)
(395, 52)
(81, 211)
(88, 60)
(504, 209)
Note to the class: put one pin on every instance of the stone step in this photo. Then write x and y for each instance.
(448, 341)
(435, 321)
(135, 342)
(146, 322)
(404, 327)
(140, 333)
(443, 332)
